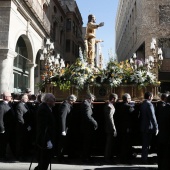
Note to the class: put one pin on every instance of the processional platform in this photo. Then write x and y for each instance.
(102, 93)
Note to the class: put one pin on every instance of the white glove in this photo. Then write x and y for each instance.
(115, 134)
(49, 145)
(63, 133)
(29, 128)
(157, 131)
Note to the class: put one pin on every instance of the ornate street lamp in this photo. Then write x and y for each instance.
(53, 64)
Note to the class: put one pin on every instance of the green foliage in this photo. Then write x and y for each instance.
(40, 86)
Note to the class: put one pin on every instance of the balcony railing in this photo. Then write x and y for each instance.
(39, 13)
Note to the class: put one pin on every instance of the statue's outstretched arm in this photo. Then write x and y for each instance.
(97, 41)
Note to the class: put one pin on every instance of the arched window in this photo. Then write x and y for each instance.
(21, 73)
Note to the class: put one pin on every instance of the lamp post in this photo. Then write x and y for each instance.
(53, 64)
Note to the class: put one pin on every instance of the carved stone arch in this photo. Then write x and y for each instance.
(29, 44)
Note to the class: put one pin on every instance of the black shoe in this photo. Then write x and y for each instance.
(86, 161)
(4, 159)
(128, 162)
(59, 160)
(144, 162)
(63, 160)
(108, 162)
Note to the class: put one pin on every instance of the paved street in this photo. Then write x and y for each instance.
(97, 164)
(25, 166)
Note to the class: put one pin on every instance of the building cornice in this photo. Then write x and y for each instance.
(31, 18)
(6, 53)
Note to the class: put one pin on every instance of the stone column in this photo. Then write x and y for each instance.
(31, 67)
(6, 70)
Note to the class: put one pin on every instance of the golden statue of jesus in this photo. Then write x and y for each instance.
(90, 38)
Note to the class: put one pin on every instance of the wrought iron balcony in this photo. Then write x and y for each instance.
(36, 8)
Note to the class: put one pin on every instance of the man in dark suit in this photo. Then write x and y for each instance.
(160, 105)
(23, 128)
(149, 126)
(88, 125)
(110, 128)
(7, 125)
(64, 110)
(124, 128)
(45, 135)
(164, 137)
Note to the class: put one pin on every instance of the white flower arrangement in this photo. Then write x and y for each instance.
(114, 74)
(80, 74)
(143, 77)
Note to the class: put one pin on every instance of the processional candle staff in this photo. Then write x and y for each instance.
(155, 60)
(53, 65)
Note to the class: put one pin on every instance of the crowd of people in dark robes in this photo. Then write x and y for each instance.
(71, 129)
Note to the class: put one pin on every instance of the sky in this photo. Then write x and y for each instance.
(104, 11)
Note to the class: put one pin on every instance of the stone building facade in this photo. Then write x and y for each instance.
(74, 37)
(137, 22)
(24, 27)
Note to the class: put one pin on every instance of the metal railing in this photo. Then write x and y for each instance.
(37, 9)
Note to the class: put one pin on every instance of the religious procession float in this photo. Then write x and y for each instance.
(131, 76)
